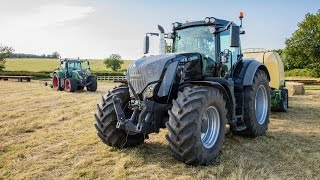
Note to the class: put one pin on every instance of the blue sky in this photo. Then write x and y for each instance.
(98, 28)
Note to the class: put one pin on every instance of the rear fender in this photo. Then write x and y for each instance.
(60, 74)
(248, 71)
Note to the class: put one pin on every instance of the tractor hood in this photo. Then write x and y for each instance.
(149, 69)
(146, 70)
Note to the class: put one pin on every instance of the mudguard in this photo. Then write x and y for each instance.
(249, 69)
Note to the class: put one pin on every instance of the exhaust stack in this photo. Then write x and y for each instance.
(162, 41)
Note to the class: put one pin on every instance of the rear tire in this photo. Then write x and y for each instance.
(106, 121)
(196, 126)
(257, 105)
(56, 83)
(70, 85)
(284, 103)
(92, 87)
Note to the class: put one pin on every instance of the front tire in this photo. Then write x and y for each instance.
(257, 105)
(92, 87)
(106, 121)
(196, 126)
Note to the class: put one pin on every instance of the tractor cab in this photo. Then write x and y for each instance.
(75, 67)
(216, 40)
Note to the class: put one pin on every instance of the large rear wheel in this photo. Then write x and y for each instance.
(106, 120)
(56, 83)
(197, 125)
(257, 105)
(70, 85)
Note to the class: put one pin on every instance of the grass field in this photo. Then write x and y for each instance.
(38, 65)
(46, 134)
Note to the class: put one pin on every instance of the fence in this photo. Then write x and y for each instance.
(111, 78)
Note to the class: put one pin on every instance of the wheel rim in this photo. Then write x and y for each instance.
(67, 85)
(210, 127)
(261, 104)
(55, 82)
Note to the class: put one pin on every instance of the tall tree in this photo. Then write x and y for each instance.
(5, 52)
(114, 62)
(303, 48)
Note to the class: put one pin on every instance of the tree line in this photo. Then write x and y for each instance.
(53, 55)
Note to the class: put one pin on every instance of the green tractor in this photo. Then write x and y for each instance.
(194, 92)
(73, 75)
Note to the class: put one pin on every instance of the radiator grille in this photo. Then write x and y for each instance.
(146, 70)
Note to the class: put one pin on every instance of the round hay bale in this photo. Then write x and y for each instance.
(295, 88)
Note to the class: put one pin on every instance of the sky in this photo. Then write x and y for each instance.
(97, 28)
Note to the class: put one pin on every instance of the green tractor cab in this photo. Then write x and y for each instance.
(73, 75)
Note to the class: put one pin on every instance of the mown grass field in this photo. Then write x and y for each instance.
(46, 134)
(38, 65)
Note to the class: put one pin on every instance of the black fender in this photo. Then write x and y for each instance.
(248, 71)
(226, 87)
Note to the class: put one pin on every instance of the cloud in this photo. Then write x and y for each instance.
(42, 26)
(48, 15)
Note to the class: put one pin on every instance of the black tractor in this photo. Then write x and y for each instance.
(194, 92)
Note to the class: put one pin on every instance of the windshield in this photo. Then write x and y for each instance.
(75, 65)
(196, 39)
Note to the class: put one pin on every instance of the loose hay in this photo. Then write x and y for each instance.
(295, 88)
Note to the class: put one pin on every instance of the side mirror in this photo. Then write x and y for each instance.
(224, 56)
(235, 36)
(146, 45)
(170, 36)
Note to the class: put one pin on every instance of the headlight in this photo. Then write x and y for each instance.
(209, 20)
(148, 92)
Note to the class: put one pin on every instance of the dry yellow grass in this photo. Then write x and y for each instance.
(46, 134)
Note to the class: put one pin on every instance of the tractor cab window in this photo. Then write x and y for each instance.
(63, 65)
(195, 40)
(74, 65)
(225, 44)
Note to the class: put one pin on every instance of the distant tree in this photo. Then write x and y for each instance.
(303, 48)
(5, 52)
(279, 51)
(55, 55)
(114, 62)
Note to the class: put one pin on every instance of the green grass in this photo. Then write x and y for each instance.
(48, 65)
(312, 87)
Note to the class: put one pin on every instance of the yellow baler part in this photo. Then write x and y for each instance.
(273, 63)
